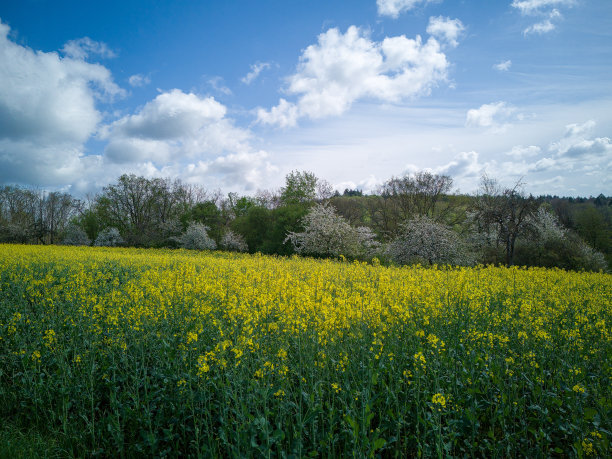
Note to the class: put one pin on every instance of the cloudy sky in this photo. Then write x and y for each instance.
(235, 94)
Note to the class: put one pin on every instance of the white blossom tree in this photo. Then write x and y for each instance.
(328, 234)
(109, 237)
(75, 235)
(422, 240)
(196, 237)
(234, 242)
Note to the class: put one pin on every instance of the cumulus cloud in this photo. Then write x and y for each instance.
(547, 9)
(139, 80)
(445, 29)
(84, 47)
(183, 134)
(579, 143)
(368, 184)
(393, 8)
(256, 69)
(465, 164)
(174, 124)
(343, 68)
(503, 66)
(47, 112)
(577, 151)
(249, 170)
(496, 115)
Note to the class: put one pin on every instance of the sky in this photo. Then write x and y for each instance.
(233, 95)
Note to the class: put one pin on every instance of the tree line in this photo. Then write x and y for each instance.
(409, 219)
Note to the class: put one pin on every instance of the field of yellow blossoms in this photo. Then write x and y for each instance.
(128, 352)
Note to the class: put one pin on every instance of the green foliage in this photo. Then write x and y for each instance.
(300, 188)
(208, 214)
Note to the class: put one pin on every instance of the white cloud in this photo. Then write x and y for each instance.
(185, 135)
(540, 27)
(139, 80)
(503, 66)
(217, 84)
(465, 164)
(578, 143)
(393, 8)
(520, 151)
(496, 115)
(285, 114)
(171, 115)
(368, 185)
(445, 29)
(174, 125)
(85, 47)
(247, 170)
(544, 8)
(47, 112)
(256, 69)
(343, 68)
(536, 6)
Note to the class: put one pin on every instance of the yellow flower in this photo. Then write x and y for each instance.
(438, 399)
(578, 389)
(587, 447)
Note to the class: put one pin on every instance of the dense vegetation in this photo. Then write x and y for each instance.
(131, 352)
(411, 219)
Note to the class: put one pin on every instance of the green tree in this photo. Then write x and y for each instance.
(300, 188)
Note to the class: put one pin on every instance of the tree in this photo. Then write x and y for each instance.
(592, 227)
(233, 242)
(300, 188)
(328, 234)
(139, 207)
(423, 240)
(403, 198)
(75, 235)
(549, 244)
(196, 237)
(109, 237)
(503, 214)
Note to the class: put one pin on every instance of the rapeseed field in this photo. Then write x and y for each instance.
(127, 352)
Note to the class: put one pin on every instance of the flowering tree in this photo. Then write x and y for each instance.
(75, 235)
(109, 237)
(328, 234)
(234, 242)
(196, 237)
(422, 240)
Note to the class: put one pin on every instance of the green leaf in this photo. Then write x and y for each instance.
(378, 443)
(589, 413)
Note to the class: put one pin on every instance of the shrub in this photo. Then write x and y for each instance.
(328, 234)
(109, 237)
(422, 240)
(196, 237)
(234, 242)
(75, 235)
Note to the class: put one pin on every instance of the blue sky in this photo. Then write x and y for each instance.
(233, 95)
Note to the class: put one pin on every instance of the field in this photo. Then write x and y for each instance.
(126, 352)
